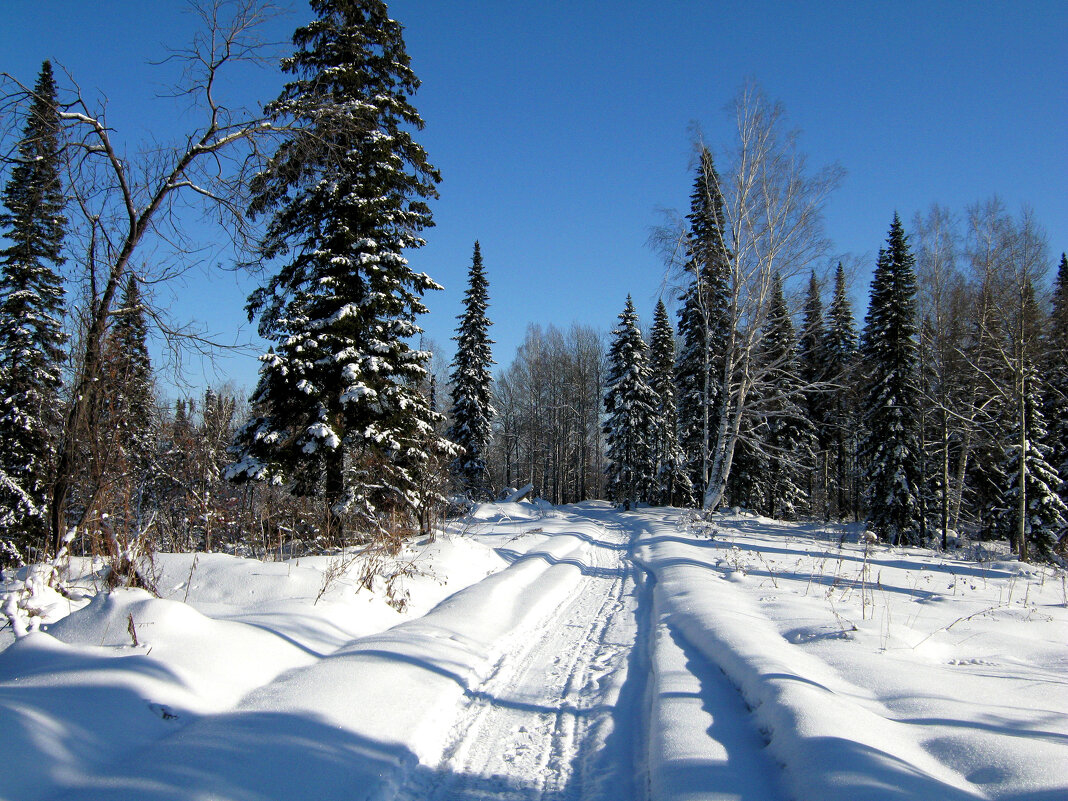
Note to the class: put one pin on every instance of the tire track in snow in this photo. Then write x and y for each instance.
(537, 725)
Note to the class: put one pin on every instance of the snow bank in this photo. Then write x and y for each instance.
(83, 692)
(853, 679)
(252, 691)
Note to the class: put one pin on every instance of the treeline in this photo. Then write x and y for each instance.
(943, 412)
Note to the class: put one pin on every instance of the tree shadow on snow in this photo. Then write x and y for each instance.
(269, 756)
(747, 772)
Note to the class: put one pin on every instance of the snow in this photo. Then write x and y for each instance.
(862, 672)
(566, 653)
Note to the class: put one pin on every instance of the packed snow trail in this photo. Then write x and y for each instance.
(539, 725)
(534, 683)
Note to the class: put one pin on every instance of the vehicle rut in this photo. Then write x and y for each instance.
(536, 726)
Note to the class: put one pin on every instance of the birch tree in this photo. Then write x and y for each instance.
(773, 224)
(1008, 257)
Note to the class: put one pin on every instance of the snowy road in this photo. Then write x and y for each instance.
(551, 720)
(590, 655)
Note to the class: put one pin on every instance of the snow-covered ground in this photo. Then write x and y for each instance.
(556, 653)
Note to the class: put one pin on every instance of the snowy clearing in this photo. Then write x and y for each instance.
(552, 653)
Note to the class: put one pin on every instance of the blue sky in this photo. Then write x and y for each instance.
(562, 129)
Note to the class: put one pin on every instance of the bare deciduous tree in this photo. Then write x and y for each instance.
(132, 208)
(547, 431)
(943, 304)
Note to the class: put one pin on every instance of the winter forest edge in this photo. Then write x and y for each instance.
(940, 417)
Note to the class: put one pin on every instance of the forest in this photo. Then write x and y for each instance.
(938, 415)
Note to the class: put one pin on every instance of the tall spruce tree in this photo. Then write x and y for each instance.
(891, 416)
(704, 324)
(673, 480)
(840, 352)
(748, 485)
(31, 338)
(1034, 510)
(127, 417)
(472, 392)
(630, 407)
(344, 417)
(790, 434)
(1055, 406)
(813, 371)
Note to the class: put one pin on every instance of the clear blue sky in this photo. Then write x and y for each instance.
(562, 128)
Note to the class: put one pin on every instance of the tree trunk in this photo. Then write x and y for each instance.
(962, 469)
(334, 492)
(1021, 524)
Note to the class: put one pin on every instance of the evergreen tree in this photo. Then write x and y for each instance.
(344, 416)
(840, 352)
(748, 486)
(1045, 512)
(673, 481)
(1034, 510)
(1055, 406)
(472, 412)
(128, 371)
(790, 435)
(127, 417)
(813, 372)
(31, 338)
(889, 348)
(704, 324)
(630, 407)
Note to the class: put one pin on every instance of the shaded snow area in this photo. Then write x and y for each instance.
(551, 653)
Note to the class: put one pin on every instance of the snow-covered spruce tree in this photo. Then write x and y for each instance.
(1035, 511)
(472, 391)
(891, 403)
(673, 480)
(31, 337)
(748, 486)
(630, 408)
(790, 435)
(813, 366)
(127, 419)
(1033, 508)
(1045, 513)
(704, 323)
(343, 414)
(1055, 406)
(840, 352)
